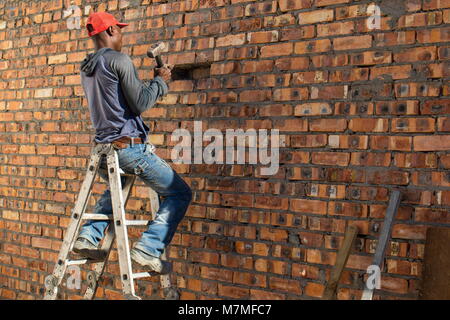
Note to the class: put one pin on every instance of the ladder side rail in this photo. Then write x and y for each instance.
(59, 270)
(99, 267)
(123, 250)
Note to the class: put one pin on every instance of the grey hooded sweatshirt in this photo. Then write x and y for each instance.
(116, 97)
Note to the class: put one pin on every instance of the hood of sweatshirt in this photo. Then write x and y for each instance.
(90, 62)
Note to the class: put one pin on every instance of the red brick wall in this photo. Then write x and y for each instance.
(378, 120)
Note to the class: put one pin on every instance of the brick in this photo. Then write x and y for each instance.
(331, 158)
(368, 125)
(444, 124)
(280, 284)
(276, 50)
(431, 143)
(310, 77)
(394, 38)
(59, 37)
(347, 209)
(303, 32)
(309, 206)
(313, 109)
(317, 140)
(417, 90)
(348, 141)
(289, 5)
(61, 58)
(420, 19)
(311, 17)
(320, 257)
(435, 4)
(303, 47)
(413, 125)
(433, 35)
(289, 94)
(265, 295)
(328, 125)
(392, 72)
(273, 234)
(262, 37)
(231, 40)
(337, 28)
(233, 292)
(371, 57)
(416, 54)
(402, 231)
(280, 20)
(329, 92)
(261, 8)
(292, 125)
(415, 160)
(314, 289)
(320, 3)
(352, 42)
(441, 106)
(43, 93)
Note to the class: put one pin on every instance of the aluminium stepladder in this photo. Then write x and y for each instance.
(116, 229)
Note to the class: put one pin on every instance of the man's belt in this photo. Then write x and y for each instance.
(125, 142)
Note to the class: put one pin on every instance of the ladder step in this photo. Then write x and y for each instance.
(97, 216)
(143, 274)
(136, 222)
(82, 261)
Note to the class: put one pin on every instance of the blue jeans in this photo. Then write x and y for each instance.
(156, 173)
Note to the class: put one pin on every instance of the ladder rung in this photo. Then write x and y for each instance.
(136, 222)
(97, 216)
(143, 274)
(82, 261)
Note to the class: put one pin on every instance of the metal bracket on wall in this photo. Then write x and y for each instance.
(383, 240)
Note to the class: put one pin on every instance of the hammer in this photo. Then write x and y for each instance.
(155, 52)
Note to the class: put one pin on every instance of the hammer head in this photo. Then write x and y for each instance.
(156, 49)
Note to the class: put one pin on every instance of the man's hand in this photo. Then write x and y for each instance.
(164, 72)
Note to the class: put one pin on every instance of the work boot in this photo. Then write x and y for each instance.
(153, 263)
(87, 249)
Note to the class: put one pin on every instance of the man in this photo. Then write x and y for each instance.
(116, 99)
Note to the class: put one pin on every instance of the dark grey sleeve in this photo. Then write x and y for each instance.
(139, 95)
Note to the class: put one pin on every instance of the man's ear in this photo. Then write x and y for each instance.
(110, 31)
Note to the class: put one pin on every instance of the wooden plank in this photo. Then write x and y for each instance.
(436, 266)
(385, 235)
(341, 261)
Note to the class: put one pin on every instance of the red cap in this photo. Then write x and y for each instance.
(100, 21)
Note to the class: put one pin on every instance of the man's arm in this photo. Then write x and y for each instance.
(139, 95)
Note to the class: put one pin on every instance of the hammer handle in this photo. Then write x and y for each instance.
(159, 61)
